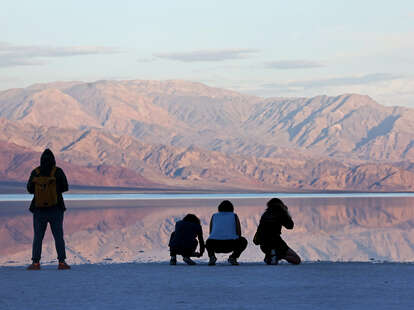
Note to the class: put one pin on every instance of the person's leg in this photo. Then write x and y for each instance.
(267, 251)
(210, 246)
(238, 246)
(292, 257)
(39, 228)
(56, 225)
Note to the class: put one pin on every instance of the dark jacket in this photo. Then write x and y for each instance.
(270, 226)
(47, 162)
(185, 234)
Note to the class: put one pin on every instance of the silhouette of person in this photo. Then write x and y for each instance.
(47, 182)
(269, 231)
(183, 239)
(225, 234)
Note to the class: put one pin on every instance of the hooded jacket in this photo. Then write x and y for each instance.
(270, 226)
(47, 162)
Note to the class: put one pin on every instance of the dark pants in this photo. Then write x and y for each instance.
(182, 251)
(179, 249)
(40, 219)
(277, 244)
(237, 246)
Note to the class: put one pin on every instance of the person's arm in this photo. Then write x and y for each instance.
(211, 224)
(238, 226)
(30, 185)
(287, 221)
(201, 241)
(61, 181)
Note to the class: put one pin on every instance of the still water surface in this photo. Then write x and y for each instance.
(172, 196)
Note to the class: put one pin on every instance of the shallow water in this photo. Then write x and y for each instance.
(172, 196)
(333, 228)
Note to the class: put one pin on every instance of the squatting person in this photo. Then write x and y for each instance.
(183, 239)
(269, 231)
(225, 234)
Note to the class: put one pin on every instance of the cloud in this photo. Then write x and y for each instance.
(29, 55)
(208, 55)
(337, 81)
(293, 64)
(146, 60)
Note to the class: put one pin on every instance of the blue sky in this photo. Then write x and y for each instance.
(266, 48)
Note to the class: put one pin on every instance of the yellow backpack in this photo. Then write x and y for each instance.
(45, 190)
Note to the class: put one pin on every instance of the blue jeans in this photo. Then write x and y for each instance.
(54, 217)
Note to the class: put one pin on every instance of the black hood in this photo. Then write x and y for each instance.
(47, 162)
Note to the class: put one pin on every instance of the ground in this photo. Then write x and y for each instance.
(248, 286)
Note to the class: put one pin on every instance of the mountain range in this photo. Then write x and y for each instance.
(179, 134)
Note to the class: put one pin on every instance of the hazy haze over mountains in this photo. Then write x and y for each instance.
(184, 134)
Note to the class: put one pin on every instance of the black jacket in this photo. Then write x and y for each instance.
(184, 236)
(270, 226)
(61, 187)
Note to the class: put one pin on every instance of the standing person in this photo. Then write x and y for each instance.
(47, 182)
(183, 239)
(269, 230)
(225, 234)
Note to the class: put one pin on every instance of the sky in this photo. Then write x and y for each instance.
(265, 48)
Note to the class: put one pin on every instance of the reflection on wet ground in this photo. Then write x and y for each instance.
(325, 228)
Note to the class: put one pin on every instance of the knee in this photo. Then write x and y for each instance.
(295, 260)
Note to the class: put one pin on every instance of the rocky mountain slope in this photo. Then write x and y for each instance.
(191, 135)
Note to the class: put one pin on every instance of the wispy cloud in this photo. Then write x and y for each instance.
(293, 64)
(337, 81)
(208, 55)
(28, 55)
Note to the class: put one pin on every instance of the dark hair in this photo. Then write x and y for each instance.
(191, 218)
(47, 162)
(226, 206)
(275, 205)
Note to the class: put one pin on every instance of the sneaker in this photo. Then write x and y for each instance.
(34, 266)
(188, 260)
(233, 261)
(212, 261)
(268, 260)
(173, 260)
(63, 266)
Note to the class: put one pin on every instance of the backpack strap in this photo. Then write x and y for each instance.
(52, 173)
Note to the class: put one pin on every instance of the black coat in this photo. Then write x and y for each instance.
(185, 234)
(270, 226)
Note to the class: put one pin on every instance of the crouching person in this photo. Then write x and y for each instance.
(269, 230)
(225, 234)
(183, 240)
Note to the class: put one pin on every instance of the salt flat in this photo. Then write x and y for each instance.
(248, 286)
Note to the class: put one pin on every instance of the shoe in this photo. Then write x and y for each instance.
(34, 266)
(173, 261)
(233, 261)
(268, 260)
(188, 260)
(212, 261)
(63, 266)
